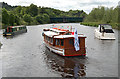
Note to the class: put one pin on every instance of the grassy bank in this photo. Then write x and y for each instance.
(95, 24)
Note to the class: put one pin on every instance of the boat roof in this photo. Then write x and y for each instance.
(106, 26)
(56, 30)
(50, 33)
(16, 26)
(68, 36)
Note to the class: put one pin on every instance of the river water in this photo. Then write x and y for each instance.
(25, 55)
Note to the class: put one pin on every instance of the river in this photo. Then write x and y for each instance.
(25, 55)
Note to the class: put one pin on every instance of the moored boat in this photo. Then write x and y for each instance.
(62, 42)
(104, 32)
(14, 30)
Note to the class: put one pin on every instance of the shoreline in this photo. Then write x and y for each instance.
(95, 24)
(92, 24)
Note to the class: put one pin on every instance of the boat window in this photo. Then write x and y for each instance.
(62, 42)
(51, 40)
(67, 34)
(12, 30)
(15, 29)
(57, 41)
(109, 31)
(45, 37)
(71, 41)
(5, 30)
(20, 28)
(24, 27)
(48, 38)
(107, 27)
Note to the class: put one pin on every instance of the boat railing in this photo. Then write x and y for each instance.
(72, 48)
(80, 34)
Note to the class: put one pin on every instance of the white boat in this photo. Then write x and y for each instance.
(104, 31)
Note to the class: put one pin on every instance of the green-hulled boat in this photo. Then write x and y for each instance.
(14, 30)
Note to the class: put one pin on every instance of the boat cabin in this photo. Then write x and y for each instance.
(105, 28)
(12, 30)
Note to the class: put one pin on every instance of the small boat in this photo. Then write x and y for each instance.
(62, 42)
(14, 30)
(104, 32)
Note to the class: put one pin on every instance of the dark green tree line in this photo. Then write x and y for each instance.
(28, 15)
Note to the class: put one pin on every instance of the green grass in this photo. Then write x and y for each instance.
(95, 24)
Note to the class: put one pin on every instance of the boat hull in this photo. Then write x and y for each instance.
(60, 51)
(14, 33)
(55, 50)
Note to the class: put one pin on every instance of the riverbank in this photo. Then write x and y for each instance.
(95, 24)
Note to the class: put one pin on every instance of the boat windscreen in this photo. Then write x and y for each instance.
(107, 27)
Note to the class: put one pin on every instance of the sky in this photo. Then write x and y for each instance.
(66, 5)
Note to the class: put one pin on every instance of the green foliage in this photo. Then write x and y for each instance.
(27, 18)
(43, 18)
(17, 20)
(33, 10)
(8, 7)
(31, 15)
(46, 18)
(5, 16)
(39, 19)
(11, 19)
(103, 15)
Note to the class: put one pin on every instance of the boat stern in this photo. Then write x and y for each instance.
(109, 36)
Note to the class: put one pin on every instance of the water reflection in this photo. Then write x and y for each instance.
(13, 36)
(67, 66)
(8, 37)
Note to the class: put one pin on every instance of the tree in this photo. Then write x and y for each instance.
(33, 10)
(17, 20)
(5, 16)
(107, 16)
(43, 18)
(11, 19)
(18, 9)
(39, 19)
(46, 18)
(27, 18)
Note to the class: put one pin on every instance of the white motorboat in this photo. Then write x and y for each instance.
(104, 31)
